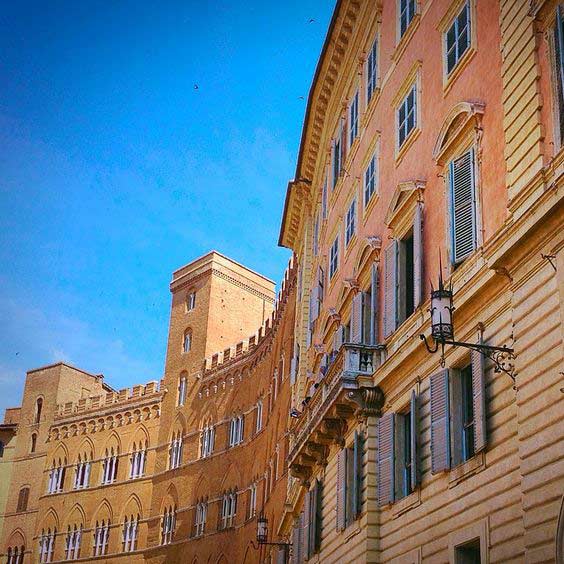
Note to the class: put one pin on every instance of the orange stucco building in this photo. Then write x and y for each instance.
(431, 148)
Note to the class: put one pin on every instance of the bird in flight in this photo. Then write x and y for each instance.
(311, 20)
(196, 87)
(300, 98)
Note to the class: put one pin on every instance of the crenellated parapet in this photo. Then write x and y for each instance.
(110, 402)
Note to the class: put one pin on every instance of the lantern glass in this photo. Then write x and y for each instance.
(262, 529)
(441, 315)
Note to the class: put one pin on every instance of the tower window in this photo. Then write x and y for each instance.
(187, 342)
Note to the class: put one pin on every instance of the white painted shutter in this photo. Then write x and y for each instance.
(414, 416)
(390, 283)
(479, 400)
(463, 206)
(374, 305)
(418, 255)
(341, 488)
(385, 478)
(356, 318)
(440, 422)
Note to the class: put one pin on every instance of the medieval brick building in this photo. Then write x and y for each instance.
(432, 149)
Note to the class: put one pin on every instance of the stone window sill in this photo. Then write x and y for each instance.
(463, 471)
(406, 503)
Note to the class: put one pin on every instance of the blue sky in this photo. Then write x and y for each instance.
(115, 170)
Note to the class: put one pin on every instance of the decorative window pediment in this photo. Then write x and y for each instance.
(401, 211)
(464, 120)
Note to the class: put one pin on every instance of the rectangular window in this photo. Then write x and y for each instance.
(353, 119)
(334, 257)
(201, 517)
(406, 15)
(349, 483)
(312, 520)
(468, 553)
(372, 71)
(559, 70)
(370, 180)
(259, 416)
(405, 279)
(350, 222)
(337, 157)
(463, 212)
(407, 115)
(457, 38)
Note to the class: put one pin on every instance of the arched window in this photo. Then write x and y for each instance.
(38, 408)
(191, 301)
(22, 500)
(33, 442)
(187, 342)
(15, 554)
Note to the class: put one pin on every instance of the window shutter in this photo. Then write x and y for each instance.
(344, 130)
(414, 416)
(307, 525)
(296, 542)
(374, 305)
(318, 516)
(463, 206)
(386, 459)
(281, 555)
(418, 255)
(338, 338)
(356, 318)
(357, 476)
(293, 369)
(314, 303)
(324, 200)
(479, 400)
(390, 282)
(341, 488)
(440, 422)
(559, 56)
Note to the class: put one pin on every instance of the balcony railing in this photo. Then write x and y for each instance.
(345, 388)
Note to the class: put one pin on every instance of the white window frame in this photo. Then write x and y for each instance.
(454, 24)
(372, 71)
(353, 118)
(350, 222)
(258, 427)
(182, 386)
(410, 16)
(334, 257)
(403, 124)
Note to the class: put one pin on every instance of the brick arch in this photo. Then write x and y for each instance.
(132, 507)
(232, 478)
(17, 538)
(86, 446)
(61, 453)
(170, 498)
(179, 424)
(51, 520)
(76, 515)
(140, 436)
(113, 441)
(202, 487)
(103, 512)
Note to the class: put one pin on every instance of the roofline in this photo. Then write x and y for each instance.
(62, 363)
(214, 252)
(320, 61)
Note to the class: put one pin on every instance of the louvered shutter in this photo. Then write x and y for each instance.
(307, 525)
(357, 476)
(293, 369)
(318, 515)
(356, 318)
(344, 130)
(341, 488)
(314, 303)
(463, 206)
(418, 255)
(414, 417)
(440, 422)
(390, 283)
(374, 305)
(297, 544)
(386, 459)
(324, 200)
(479, 400)
(338, 338)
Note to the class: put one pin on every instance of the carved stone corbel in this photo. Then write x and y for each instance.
(369, 401)
(336, 429)
(302, 473)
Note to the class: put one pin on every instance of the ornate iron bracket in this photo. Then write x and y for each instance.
(502, 357)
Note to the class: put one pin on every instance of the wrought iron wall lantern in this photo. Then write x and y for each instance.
(442, 333)
(262, 536)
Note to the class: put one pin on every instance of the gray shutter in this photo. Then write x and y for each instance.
(338, 338)
(374, 305)
(307, 525)
(293, 369)
(341, 488)
(312, 531)
(440, 422)
(463, 206)
(386, 462)
(314, 303)
(418, 255)
(390, 282)
(324, 200)
(297, 544)
(357, 476)
(318, 516)
(479, 400)
(414, 415)
(356, 318)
